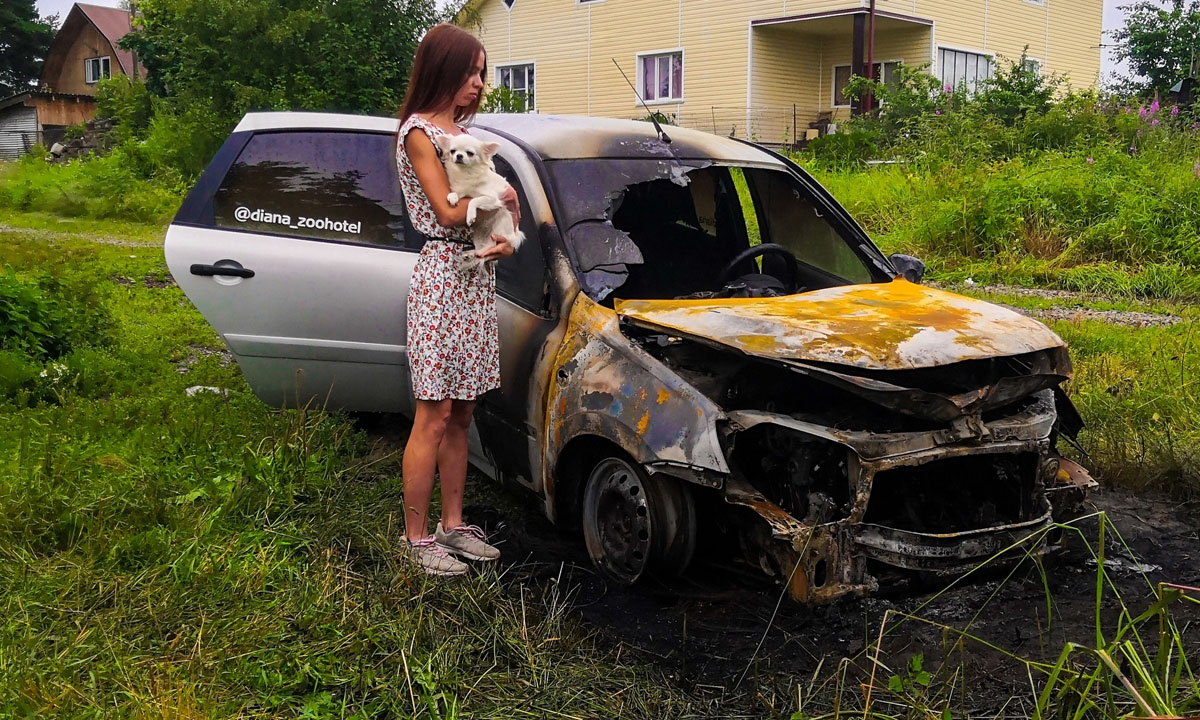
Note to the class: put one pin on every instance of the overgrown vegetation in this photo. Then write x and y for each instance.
(203, 556)
(1010, 184)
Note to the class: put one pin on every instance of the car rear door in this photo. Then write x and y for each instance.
(293, 247)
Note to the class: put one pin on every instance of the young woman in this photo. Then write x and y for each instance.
(453, 341)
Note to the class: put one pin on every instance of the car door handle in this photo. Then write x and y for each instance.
(210, 270)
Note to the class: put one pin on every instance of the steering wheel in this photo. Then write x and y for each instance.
(792, 283)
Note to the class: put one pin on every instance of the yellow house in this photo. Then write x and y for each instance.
(764, 69)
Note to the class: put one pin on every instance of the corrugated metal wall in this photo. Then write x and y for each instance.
(18, 131)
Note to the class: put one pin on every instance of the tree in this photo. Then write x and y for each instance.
(24, 40)
(345, 55)
(1161, 44)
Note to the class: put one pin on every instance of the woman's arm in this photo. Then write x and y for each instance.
(432, 177)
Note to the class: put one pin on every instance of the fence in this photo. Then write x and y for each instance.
(15, 143)
(768, 125)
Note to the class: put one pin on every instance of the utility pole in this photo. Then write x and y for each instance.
(869, 100)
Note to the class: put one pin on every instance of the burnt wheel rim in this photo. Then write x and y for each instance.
(617, 525)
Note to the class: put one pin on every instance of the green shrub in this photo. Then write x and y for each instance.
(126, 101)
(845, 149)
(46, 318)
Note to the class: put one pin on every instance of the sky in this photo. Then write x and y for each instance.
(1112, 19)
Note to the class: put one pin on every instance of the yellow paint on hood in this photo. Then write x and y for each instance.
(884, 326)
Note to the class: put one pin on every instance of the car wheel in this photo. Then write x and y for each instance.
(634, 525)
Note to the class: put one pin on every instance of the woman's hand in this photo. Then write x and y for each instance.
(510, 200)
(501, 249)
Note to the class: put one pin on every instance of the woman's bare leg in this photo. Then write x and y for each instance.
(420, 462)
(452, 461)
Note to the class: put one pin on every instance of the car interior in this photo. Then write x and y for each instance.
(729, 232)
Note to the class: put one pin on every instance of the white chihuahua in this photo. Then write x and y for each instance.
(469, 167)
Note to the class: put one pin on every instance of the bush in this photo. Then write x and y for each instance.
(845, 149)
(46, 318)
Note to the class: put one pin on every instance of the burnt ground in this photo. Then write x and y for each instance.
(723, 619)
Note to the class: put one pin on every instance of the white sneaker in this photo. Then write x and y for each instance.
(432, 559)
(466, 541)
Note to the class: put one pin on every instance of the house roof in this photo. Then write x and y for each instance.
(18, 98)
(113, 24)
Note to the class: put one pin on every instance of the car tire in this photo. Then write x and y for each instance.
(636, 526)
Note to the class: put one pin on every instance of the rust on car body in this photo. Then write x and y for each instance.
(898, 325)
(914, 390)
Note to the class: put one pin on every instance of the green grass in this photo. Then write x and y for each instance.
(172, 556)
(102, 188)
(162, 555)
(1093, 219)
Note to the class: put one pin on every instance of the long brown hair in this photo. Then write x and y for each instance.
(444, 58)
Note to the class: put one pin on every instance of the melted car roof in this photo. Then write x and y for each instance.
(552, 137)
(564, 136)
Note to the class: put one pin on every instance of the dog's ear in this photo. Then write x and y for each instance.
(443, 142)
(489, 149)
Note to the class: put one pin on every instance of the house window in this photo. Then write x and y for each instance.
(1032, 65)
(519, 80)
(661, 76)
(886, 71)
(966, 69)
(95, 68)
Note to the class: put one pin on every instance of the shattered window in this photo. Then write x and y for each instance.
(656, 229)
(787, 218)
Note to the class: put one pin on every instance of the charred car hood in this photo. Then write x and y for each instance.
(886, 326)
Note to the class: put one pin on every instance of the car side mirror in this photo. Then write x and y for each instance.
(911, 268)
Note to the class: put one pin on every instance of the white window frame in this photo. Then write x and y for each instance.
(833, 78)
(105, 69)
(509, 66)
(682, 74)
(1037, 64)
(937, 51)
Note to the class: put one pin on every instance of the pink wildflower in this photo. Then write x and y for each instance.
(949, 89)
(1091, 161)
(1175, 111)
(1154, 122)
(1142, 113)
(1154, 106)
(937, 112)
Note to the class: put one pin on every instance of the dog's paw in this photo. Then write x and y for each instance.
(469, 261)
(453, 199)
(471, 214)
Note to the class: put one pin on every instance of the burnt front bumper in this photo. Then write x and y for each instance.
(927, 502)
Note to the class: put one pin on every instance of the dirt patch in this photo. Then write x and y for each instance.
(57, 235)
(723, 632)
(1126, 318)
(196, 353)
(1075, 308)
(706, 627)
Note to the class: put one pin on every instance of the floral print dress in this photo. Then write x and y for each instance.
(453, 337)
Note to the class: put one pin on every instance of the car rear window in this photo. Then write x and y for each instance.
(337, 186)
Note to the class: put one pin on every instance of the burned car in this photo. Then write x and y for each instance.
(696, 337)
